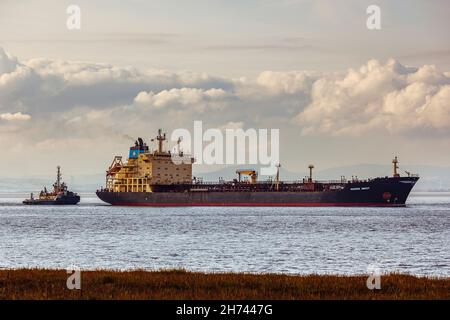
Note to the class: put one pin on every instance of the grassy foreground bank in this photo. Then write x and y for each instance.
(178, 284)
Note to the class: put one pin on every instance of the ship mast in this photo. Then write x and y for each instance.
(161, 137)
(311, 167)
(395, 162)
(58, 177)
(277, 179)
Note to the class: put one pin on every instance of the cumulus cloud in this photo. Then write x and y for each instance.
(198, 99)
(19, 116)
(7, 63)
(42, 86)
(92, 106)
(381, 97)
(91, 110)
(232, 125)
(292, 82)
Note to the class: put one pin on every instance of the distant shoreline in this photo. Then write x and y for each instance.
(43, 284)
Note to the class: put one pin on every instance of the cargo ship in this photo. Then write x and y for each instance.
(59, 196)
(152, 178)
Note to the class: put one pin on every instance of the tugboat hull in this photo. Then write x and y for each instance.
(70, 200)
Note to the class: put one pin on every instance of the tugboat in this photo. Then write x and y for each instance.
(59, 196)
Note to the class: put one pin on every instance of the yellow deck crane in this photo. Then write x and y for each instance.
(251, 173)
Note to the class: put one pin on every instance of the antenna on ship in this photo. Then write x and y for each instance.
(161, 138)
(395, 162)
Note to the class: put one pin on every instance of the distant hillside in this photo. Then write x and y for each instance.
(433, 178)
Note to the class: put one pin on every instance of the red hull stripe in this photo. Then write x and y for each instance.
(135, 204)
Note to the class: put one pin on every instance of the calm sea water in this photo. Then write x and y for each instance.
(415, 239)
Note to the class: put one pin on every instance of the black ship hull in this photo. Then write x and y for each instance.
(382, 192)
(67, 200)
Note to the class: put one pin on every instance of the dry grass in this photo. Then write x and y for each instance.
(179, 284)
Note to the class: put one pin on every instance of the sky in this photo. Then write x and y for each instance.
(339, 93)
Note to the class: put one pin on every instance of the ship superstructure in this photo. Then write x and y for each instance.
(147, 169)
(153, 178)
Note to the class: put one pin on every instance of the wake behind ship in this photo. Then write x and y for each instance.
(152, 178)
